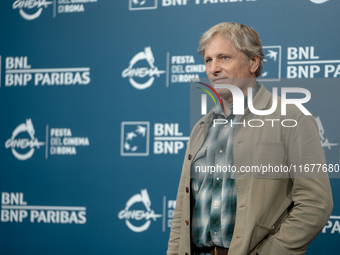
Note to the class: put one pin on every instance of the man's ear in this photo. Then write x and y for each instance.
(254, 64)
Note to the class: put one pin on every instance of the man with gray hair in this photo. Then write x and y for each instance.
(247, 212)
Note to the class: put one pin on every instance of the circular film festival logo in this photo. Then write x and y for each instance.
(319, 1)
(128, 214)
(141, 72)
(36, 6)
(23, 143)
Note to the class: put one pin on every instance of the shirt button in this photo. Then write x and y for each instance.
(189, 156)
(217, 178)
(215, 234)
(216, 204)
(187, 189)
(221, 151)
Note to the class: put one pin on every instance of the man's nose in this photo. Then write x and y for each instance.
(215, 67)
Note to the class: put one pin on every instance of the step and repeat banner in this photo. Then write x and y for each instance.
(95, 105)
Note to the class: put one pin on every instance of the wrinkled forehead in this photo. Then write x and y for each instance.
(220, 44)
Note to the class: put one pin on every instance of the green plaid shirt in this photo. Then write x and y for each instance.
(213, 196)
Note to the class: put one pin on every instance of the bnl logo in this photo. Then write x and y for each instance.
(135, 138)
(136, 5)
(272, 67)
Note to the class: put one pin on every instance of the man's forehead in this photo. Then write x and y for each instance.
(220, 44)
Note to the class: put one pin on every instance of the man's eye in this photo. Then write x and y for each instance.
(208, 61)
(225, 57)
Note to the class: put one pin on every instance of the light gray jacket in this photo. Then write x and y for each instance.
(274, 215)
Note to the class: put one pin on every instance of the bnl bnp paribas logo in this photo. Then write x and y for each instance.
(136, 5)
(142, 70)
(135, 138)
(272, 67)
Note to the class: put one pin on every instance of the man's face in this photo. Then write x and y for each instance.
(227, 65)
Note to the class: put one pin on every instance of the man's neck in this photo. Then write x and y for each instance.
(227, 101)
(226, 106)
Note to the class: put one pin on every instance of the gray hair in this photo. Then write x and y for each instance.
(244, 38)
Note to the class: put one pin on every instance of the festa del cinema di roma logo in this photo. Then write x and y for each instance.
(23, 143)
(138, 215)
(142, 72)
(37, 5)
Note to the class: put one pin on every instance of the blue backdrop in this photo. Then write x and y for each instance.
(95, 112)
